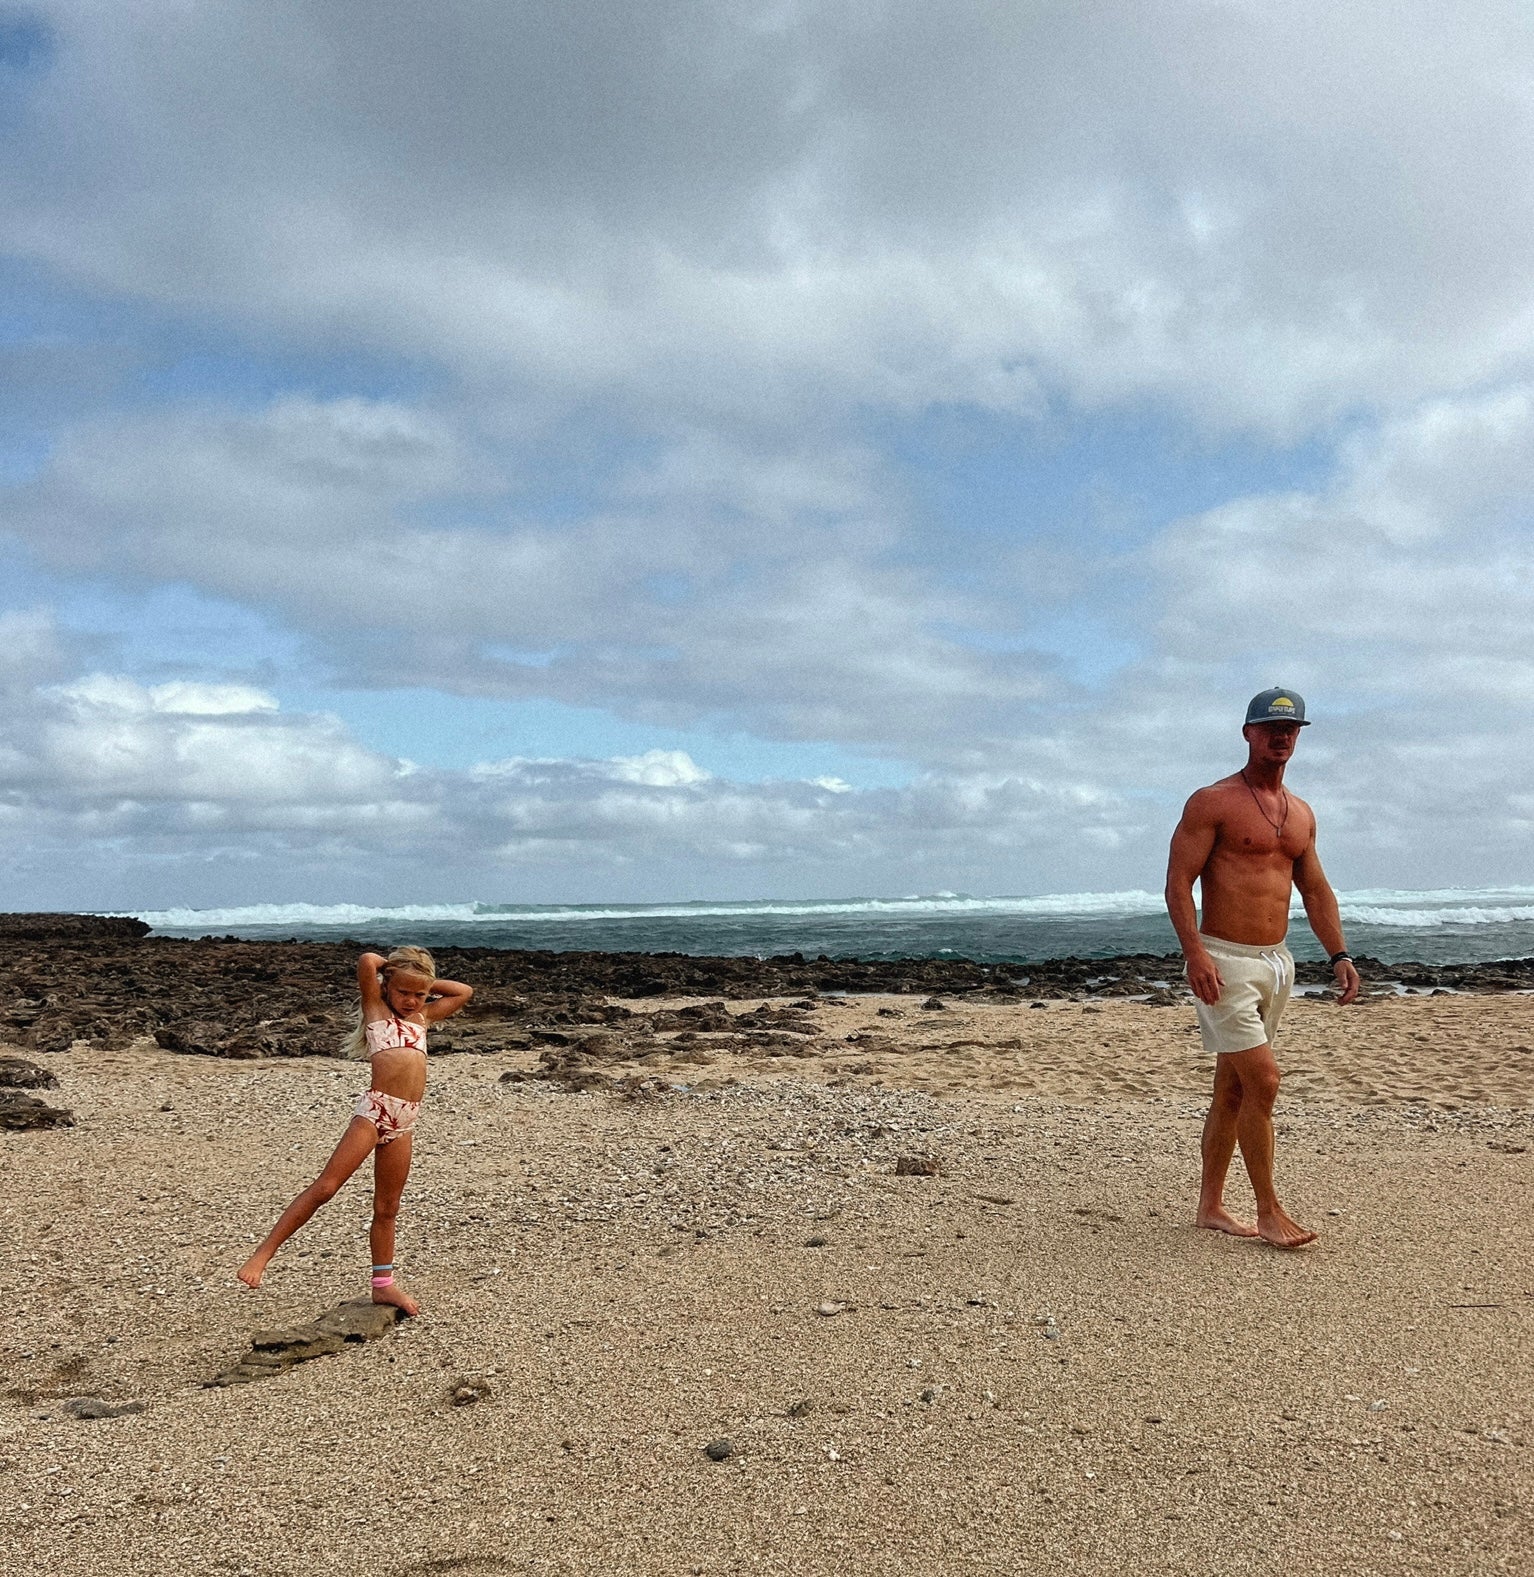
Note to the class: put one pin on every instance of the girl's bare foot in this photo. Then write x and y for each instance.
(252, 1271)
(398, 1297)
(1218, 1219)
(1275, 1227)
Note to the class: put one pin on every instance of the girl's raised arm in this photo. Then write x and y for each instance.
(447, 998)
(370, 987)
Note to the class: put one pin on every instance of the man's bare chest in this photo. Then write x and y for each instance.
(1246, 833)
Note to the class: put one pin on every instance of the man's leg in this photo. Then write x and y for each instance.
(1219, 1145)
(1259, 1077)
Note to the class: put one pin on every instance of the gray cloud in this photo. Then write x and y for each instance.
(177, 785)
(714, 583)
(1266, 214)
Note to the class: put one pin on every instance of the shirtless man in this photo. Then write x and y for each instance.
(1247, 840)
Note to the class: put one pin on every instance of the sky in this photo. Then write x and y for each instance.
(755, 448)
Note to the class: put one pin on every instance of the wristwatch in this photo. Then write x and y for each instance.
(1337, 958)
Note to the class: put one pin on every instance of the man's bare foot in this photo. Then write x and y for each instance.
(252, 1270)
(1217, 1218)
(1276, 1228)
(398, 1297)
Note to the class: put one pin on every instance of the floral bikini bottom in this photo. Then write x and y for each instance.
(388, 1114)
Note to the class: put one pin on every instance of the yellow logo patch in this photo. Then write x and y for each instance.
(1281, 700)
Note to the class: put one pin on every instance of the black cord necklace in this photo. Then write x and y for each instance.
(1277, 826)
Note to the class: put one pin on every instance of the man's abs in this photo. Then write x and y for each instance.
(1245, 899)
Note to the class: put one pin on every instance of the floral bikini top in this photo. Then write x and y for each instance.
(393, 1034)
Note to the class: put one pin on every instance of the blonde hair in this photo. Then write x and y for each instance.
(410, 960)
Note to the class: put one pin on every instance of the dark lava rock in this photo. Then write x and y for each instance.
(918, 1166)
(1124, 986)
(50, 1038)
(71, 978)
(271, 1352)
(19, 1111)
(70, 928)
(705, 1017)
(792, 1020)
(17, 1073)
(719, 1450)
(194, 1040)
(465, 1392)
(934, 1005)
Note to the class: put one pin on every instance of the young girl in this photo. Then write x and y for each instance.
(400, 997)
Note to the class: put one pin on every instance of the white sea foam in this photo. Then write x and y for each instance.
(305, 916)
(1394, 908)
(301, 916)
(1430, 919)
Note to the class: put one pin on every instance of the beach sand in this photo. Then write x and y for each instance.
(1032, 1361)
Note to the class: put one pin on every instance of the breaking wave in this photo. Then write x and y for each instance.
(1389, 907)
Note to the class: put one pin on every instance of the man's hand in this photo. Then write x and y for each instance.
(1204, 978)
(1348, 983)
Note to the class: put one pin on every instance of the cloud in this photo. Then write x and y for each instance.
(1266, 214)
(776, 593)
(156, 784)
(1406, 580)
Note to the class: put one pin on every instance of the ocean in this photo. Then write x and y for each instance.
(1449, 925)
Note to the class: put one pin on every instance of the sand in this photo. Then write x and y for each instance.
(1032, 1362)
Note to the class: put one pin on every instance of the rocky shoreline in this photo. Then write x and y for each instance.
(72, 978)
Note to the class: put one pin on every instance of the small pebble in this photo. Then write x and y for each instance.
(718, 1450)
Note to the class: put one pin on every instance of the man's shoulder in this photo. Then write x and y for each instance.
(1215, 794)
(1208, 807)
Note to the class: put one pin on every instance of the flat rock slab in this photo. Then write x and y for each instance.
(16, 1073)
(94, 1407)
(276, 1351)
(19, 1110)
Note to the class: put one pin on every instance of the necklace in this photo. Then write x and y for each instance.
(1279, 825)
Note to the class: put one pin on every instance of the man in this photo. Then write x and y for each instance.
(1247, 840)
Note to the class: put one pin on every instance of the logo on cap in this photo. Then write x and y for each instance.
(1276, 706)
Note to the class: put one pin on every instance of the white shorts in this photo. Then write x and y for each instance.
(1257, 983)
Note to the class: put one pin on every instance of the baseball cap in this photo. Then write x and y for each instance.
(1277, 706)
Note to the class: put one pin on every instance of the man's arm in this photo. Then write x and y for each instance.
(1325, 918)
(1192, 844)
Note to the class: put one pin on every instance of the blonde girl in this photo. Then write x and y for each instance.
(401, 995)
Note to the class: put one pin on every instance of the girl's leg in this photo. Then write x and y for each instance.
(391, 1166)
(356, 1144)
